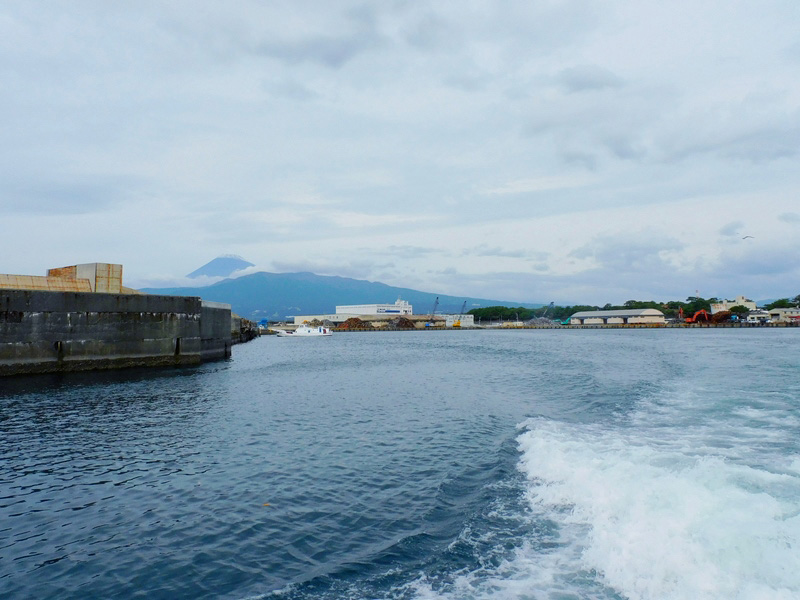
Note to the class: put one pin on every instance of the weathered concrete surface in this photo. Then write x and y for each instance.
(243, 330)
(43, 331)
(215, 325)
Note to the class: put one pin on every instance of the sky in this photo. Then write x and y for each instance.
(534, 151)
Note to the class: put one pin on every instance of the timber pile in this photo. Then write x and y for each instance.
(355, 323)
(402, 323)
(541, 322)
(721, 317)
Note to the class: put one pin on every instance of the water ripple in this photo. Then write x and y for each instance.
(370, 466)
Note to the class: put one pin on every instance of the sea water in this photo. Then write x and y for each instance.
(535, 464)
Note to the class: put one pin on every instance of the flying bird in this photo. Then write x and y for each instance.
(747, 236)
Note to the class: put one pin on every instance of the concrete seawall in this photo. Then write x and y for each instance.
(44, 331)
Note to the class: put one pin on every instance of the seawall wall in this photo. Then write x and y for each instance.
(216, 330)
(44, 331)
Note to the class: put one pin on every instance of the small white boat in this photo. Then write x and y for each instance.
(306, 331)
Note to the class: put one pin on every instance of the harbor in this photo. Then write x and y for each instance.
(82, 318)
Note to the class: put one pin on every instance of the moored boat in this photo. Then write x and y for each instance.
(306, 331)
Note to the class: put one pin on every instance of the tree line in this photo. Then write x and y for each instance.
(670, 309)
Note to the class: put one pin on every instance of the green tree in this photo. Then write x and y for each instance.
(695, 303)
(739, 310)
(782, 303)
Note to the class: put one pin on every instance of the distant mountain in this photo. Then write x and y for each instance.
(222, 266)
(280, 295)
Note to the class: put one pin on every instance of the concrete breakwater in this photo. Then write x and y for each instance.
(48, 331)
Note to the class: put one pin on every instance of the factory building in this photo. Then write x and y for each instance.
(728, 304)
(758, 316)
(344, 312)
(91, 277)
(400, 307)
(335, 319)
(633, 316)
(466, 320)
(379, 315)
(784, 315)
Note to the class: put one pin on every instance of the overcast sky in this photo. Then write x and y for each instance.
(571, 151)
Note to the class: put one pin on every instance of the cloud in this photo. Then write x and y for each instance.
(427, 32)
(537, 184)
(403, 251)
(356, 269)
(757, 145)
(556, 150)
(291, 89)
(356, 34)
(351, 219)
(758, 128)
(585, 78)
(759, 264)
(486, 250)
(789, 217)
(325, 50)
(166, 281)
(644, 252)
(731, 229)
(28, 195)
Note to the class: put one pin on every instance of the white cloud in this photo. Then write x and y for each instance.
(562, 149)
(538, 184)
(731, 229)
(585, 78)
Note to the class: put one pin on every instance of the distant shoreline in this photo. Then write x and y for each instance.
(578, 327)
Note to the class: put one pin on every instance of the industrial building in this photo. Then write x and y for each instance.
(379, 315)
(633, 316)
(335, 319)
(728, 304)
(378, 321)
(758, 316)
(362, 311)
(784, 315)
(400, 307)
(91, 277)
(465, 320)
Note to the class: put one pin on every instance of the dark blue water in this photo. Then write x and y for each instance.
(464, 464)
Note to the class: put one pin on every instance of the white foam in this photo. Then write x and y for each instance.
(661, 523)
(530, 575)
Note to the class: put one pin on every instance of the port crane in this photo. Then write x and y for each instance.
(544, 314)
(433, 312)
(463, 308)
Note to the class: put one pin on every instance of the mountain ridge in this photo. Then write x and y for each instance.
(277, 296)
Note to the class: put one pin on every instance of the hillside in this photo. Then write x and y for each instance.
(279, 295)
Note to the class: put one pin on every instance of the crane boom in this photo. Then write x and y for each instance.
(457, 323)
(433, 312)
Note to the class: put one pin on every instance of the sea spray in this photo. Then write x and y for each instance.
(662, 523)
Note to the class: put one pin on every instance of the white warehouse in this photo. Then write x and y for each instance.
(634, 316)
(400, 307)
(728, 304)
